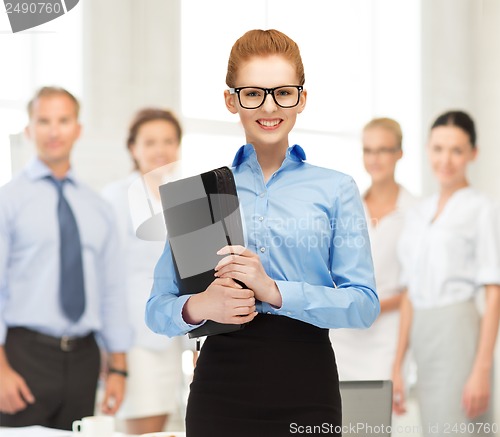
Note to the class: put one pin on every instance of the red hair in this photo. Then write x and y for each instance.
(263, 43)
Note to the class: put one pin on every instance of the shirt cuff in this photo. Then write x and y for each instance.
(291, 296)
(488, 276)
(117, 340)
(177, 312)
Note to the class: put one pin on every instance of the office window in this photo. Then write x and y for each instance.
(50, 54)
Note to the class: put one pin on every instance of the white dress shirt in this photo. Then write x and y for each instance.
(130, 203)
(448, 259)
(368, 354)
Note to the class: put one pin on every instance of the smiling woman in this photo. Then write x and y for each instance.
(280, 370)
(263, 124)
(386, 202)
(352, 75)
(450, 250)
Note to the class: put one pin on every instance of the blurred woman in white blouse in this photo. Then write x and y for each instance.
(450, 249)
(369, 354)
(154, 363)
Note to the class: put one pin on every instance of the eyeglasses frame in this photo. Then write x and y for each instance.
(267, 91)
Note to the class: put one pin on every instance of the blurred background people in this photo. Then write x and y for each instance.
(60, 281)
(369, 354)
(154, 362)
(450, 249)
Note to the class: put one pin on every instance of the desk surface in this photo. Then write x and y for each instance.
(40, 431)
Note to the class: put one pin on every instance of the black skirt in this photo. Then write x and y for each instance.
(276, 377)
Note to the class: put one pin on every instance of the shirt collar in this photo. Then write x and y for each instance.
(294, 153)
(36, 170)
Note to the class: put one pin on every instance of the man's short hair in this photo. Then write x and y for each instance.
(48, 91)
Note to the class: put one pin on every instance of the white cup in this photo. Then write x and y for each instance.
(94, 426)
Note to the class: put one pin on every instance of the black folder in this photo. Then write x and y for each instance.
(202, 215)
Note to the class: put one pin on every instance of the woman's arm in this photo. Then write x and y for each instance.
(352, 303)
(477, 391)
(168, 313)
(391, 303)
(405, 321)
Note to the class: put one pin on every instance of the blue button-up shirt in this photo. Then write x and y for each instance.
(308, 227)
(30, 263)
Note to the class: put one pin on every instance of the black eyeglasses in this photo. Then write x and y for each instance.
(252, 97)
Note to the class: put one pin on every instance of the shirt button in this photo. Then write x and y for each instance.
(289, 313)
(269, 312)
(262, 194)
(261, 218)
(262, 249)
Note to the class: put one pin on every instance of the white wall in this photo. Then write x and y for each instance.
(461, 70)
(131, 55)
(486, 94)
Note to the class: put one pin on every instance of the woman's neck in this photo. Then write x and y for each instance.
(445, 194)
(153, 180)
(381, 191)
(381, 199)
(270, 159)
(447, 191)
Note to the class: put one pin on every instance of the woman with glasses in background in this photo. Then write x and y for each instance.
(450, 249)
(154, 362)
(307, 266)
(369, 354)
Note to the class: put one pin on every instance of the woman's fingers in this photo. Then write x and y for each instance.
(243, 311)
(475, 406)
(228, 302)
(231, 283)
(244, 319)
(398, 394)
(236, 249)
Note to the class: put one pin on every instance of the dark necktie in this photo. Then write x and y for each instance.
(71, 285)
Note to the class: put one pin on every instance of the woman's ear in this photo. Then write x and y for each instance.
(399, 154)
(475, 152)
(133, 151)
(230, 100)
(302, 102)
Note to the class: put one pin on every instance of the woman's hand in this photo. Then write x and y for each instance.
(477, 391)
(224, 301)
(113, 393)
(243, 265)
(398, 393)
(476, 394)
